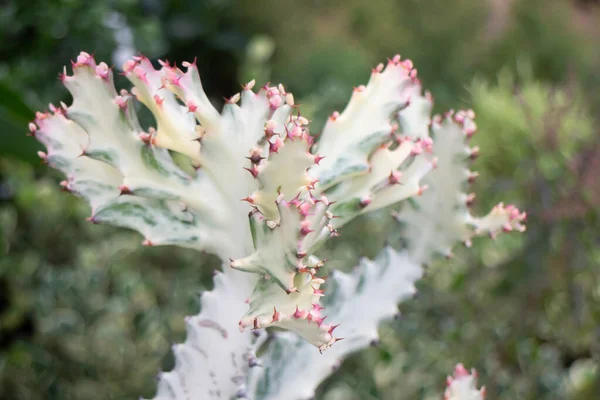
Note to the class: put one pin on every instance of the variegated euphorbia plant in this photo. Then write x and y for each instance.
(264, 195)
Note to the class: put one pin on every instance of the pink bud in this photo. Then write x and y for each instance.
(377, 69)
(83, 59)
(296, 132)
(408, 64)
(140, 73)
(102, 70)
(275, 145)
(129, 65)
(305, 228)
(121, 101)
(275, 101)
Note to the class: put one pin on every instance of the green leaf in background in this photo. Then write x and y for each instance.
(15, 114)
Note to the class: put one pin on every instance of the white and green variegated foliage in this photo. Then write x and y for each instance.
(264, 195)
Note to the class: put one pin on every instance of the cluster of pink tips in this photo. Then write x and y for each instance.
(465, 119)
(422, 145)
(277, 96)
(407, 64)
(515, 218)
(460, 374)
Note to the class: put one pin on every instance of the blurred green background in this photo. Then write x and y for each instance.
(87, 313)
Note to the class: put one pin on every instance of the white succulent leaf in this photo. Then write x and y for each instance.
(359, 302)
(298, 311)
(440, 218)
(368, 162)
(289, 295)
(462, 385)
(214, 360)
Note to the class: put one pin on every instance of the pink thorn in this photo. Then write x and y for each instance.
(305, 228)
(63, 75)
(146, 138)
(394, 177)
(124, 190)
(252, 171)
(147, 243)
(276, 315)
(255, 157)
(275, 146)
(43, 156)
(140, 73)
(470, 199)
(472, 177)
(470, 131)
(64, 185)
(334, 116)
(159, 100)
(248, 199)
(298, 314)
(32, 129)
(191, 106)
(365, 201)
(332, 328)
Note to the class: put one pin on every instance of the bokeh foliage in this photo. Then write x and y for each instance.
(85, 312)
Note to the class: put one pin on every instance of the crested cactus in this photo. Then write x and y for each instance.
(265, 194)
